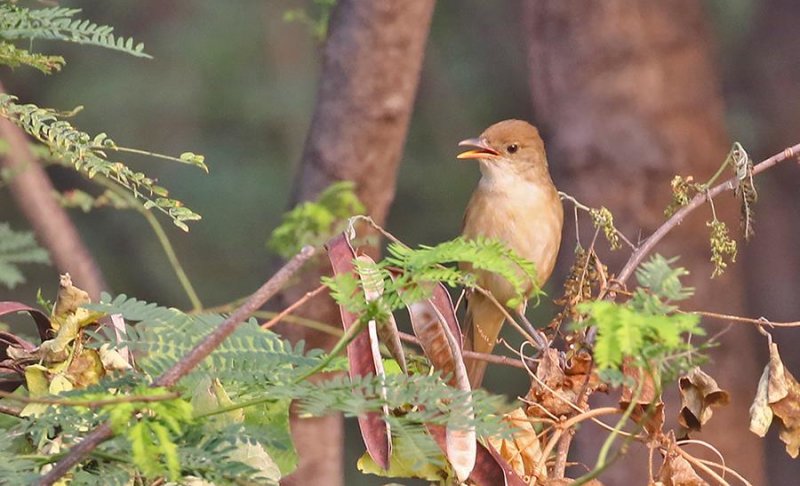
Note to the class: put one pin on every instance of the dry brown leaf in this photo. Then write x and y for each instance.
(86, 369)
(374, 430)
(523, 451)
(558, 388)
(786, 407)
(699, 392)
(760, 412)
(676, 471)
(778, 395)
(649, 408)
(69, 298)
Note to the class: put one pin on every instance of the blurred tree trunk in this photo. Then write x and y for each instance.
(771, 87)
(371, 66)
(32, 190)
(627, 95)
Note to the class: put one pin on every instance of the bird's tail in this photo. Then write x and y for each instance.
(482, 325)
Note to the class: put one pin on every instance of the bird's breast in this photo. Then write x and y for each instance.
(526, 216)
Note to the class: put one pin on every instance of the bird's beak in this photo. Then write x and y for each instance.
(482, 149)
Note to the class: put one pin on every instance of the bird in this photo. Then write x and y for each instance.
(516, 203)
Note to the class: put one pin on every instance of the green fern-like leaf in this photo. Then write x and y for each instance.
(647, 328)
(58, 23)
(15, 469)
(152, 435)
(88, 155)
(17, 248)
(315, 222)
(13, 57)
(164, 335)
(426, 263)
(658, 275)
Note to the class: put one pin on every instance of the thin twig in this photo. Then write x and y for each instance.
(188, 362)
(705, 444)
(564, 429)
(726, 469)
(761, 321)
(299, 302)
(647, 246)
(537, 341)
(161, 236)
(13, 411)
(702, 466)
(578, 205)
(536, 338)
(489, 358)
(226, 328)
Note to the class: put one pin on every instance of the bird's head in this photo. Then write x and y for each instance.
(510, 147)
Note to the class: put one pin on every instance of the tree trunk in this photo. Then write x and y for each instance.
(33, 193)
(770, 86)
(371, 66)
(627, 95)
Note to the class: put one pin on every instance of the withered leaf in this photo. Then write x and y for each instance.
(563, 387)
(523, 451)
(86, 368)
(374, 430)
(760, 412)
(648, 408)
(783, 398)
(676, 471)
(69, 298)
(699, 392)
(430, 320)
(490, 468)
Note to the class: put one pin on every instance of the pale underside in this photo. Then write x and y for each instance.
(526, 216)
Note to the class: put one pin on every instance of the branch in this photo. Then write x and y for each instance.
(647, 246)
(161, 235)
(285, 312)
(489, 358)
(761, 321)
(32, 191)
(188, 362)
(226, 328)
(13, 411)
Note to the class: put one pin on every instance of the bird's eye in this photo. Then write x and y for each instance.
(512, 148)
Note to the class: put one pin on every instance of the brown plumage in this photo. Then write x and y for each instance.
(516, 203)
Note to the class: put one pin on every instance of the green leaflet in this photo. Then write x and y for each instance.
(646, 328)
(17, 248)
(58, 23)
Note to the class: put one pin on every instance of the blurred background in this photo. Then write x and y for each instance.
(237, 83)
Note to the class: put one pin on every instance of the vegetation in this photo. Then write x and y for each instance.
(198, 396)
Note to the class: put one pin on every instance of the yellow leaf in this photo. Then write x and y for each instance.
(760, 412)
(59, 384)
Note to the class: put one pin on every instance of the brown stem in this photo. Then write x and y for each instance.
(560, 466)
(647, 246)
(33, 192)
(759, 322)
(96, 437)
(489, 358)
(5, 409)
(188, 362)
(226, 328)
(299, 302)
